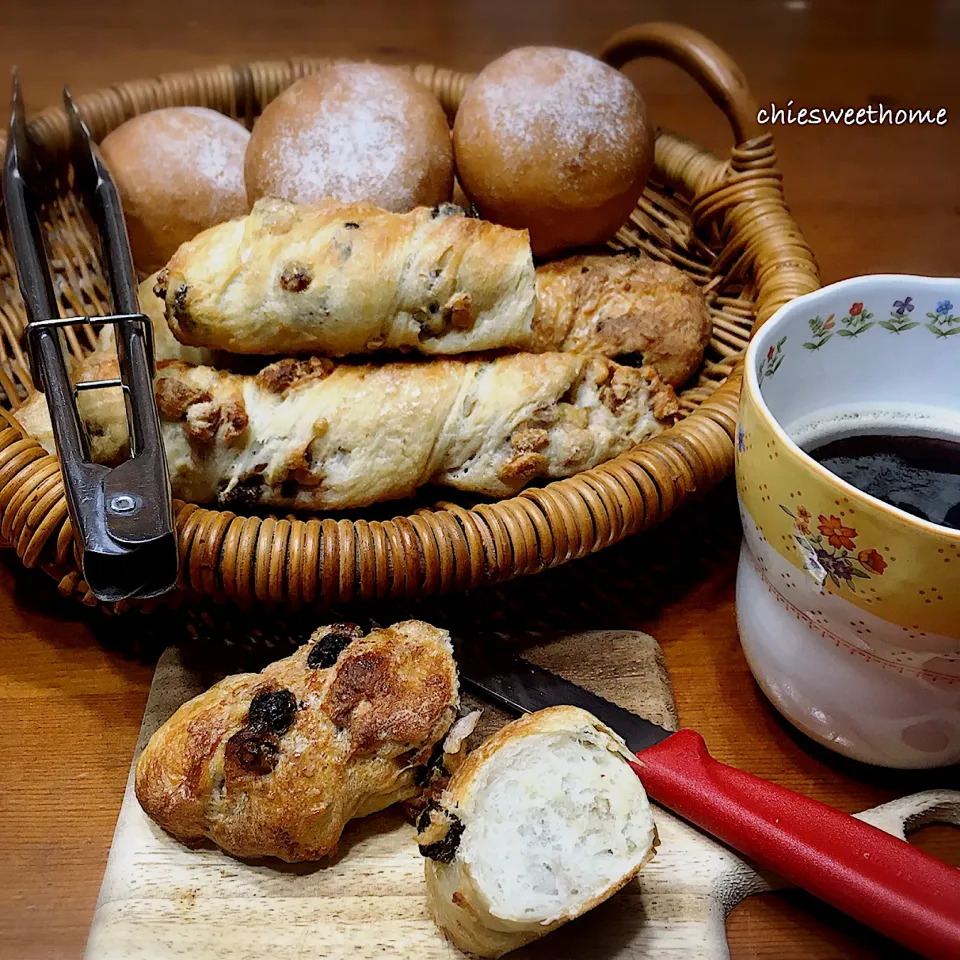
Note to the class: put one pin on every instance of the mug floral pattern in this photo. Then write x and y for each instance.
(899, 322)
(831, 551)
(858, 320)
(770, 363)
(821, 331)
(942, 321)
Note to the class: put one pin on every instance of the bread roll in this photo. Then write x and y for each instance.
(540, 824)
(310, 435)
(341, 279)
(554, 141)
(178, 171)
(276, 763)
(353, 131)
(626, 307)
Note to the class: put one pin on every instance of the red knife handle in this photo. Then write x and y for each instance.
(878, 878)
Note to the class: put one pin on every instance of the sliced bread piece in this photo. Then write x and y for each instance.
(543, 822)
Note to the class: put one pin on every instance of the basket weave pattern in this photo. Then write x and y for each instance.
(723, 223)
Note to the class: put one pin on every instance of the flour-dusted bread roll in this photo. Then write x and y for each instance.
(540, 824)
(626, 307)
(178, 170)
(276, 763)
(309, 435)
(554, 141)
(340, 279)
(353, 131)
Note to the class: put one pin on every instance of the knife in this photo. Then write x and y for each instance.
(873, 876)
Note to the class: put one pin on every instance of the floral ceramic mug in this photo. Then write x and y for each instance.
(848, 608)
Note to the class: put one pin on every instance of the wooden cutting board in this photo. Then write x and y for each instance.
(161, 900)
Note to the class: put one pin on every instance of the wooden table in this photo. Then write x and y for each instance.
(870, 199)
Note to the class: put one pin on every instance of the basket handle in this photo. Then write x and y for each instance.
(707, 63)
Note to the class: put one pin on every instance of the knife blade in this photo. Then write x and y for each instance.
(873, 876)
(520, 686)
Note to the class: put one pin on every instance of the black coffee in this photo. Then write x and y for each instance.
(920, 475)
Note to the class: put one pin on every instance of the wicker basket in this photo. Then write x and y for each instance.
(724, 223)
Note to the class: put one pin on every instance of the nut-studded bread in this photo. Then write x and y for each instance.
(312, 435)
(540, 824)
(626, 307)
(276, 763)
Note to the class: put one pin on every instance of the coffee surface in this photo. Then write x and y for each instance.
(920, 475)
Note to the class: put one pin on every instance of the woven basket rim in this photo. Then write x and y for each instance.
(447, 547)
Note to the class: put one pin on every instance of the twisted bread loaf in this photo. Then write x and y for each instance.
(337, 279)
(345, 279)
(313, 435)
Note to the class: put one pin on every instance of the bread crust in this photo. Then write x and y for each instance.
(276, 763)
(338, 279)
(623, 306)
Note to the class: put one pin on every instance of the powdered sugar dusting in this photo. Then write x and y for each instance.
(199, 153)
(535, 96)
(368, 138)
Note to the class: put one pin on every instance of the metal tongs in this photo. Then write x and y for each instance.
(123, 515)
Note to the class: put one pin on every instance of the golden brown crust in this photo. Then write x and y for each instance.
(179, 170)
(625, 307)
(276, 763)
